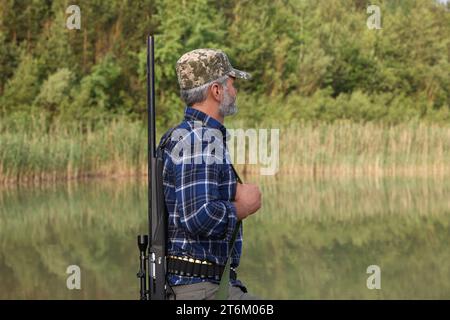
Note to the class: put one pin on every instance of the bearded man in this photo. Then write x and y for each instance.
(203, 198)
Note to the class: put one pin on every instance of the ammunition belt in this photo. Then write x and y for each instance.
(189, 267)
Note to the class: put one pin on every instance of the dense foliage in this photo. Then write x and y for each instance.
(310, 59)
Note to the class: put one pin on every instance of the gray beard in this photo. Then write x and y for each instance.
(228, 105)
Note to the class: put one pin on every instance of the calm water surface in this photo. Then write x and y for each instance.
(311, 239)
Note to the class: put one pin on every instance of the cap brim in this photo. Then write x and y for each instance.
(240, 74)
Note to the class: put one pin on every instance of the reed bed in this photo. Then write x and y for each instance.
(36, 153)
(350, 149)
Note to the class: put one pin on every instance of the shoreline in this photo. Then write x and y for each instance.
(252, 172)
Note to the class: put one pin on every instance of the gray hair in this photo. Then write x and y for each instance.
(199, 94)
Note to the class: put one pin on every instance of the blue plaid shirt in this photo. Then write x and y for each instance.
(199, 187)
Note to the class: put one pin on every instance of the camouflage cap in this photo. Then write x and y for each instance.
(200, 66)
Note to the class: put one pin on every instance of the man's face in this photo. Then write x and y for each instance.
(227, 106)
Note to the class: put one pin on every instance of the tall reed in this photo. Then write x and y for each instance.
(350, 149)
(34, 152)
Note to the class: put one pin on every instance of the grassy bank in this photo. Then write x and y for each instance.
(350, 149)
(35, 153)
(32, 152)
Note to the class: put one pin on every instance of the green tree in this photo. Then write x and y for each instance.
(55, 91)
(22, 88)
(8, 60)
(96, 96)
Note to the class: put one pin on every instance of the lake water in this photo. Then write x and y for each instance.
(312, 239)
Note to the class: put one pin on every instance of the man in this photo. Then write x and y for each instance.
(203, 199)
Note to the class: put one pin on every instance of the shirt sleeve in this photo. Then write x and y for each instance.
(202, 211)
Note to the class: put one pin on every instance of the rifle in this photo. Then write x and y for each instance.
(156, 240)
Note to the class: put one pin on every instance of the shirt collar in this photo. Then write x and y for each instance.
(193, 114)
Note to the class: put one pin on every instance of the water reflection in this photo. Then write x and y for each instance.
(92, 225)
(312, 239)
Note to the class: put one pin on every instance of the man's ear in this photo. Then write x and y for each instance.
(216, 91)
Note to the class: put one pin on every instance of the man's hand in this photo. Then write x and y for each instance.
(247, 200)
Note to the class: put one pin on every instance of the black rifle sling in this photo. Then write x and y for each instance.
(222, 293)
(238, 225)
(164, 142)
(160, 168)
